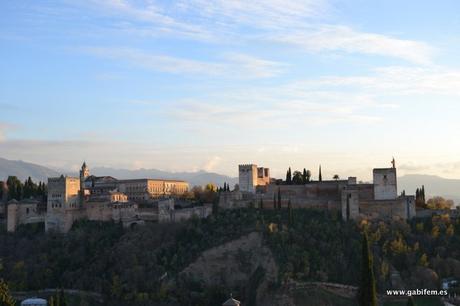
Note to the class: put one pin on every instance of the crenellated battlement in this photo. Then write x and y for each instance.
(247, 165)
(251, 176)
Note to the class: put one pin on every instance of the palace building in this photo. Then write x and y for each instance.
(102, 198)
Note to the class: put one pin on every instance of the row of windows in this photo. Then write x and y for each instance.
(59, 205)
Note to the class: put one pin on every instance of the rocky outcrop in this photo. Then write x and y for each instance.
(234, 263)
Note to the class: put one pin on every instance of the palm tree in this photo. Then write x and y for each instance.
(336, 177)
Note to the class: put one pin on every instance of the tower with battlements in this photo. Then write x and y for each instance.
(250, 176)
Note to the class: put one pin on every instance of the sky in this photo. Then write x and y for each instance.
(207, 85)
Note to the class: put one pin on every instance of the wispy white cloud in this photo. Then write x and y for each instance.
(342, 38)
(293, 23)
(231, 65)
(276, 108)
(269, 14)
(147, 18)
(211, 164)
(395, 80)
(4, 128)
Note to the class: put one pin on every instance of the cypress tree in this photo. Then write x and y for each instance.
(367, 290)
(423, 194)
(289, 177)
(304, 176)
(320, 176)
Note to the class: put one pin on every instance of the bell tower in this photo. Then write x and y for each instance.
(84, 173)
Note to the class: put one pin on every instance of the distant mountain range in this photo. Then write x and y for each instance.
(23, 170)
(199, 178)
(39, 173)
(434, 185)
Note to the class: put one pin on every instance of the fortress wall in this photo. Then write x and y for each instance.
(329, 190)
(62, 220)
(402, 207)
(187, 213)
(350, 204)
(366, 191)
(23, 213)
(98, 211)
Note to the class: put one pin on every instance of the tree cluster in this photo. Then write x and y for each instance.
(439, 203)
(18, 190)
(298, 178)
(420, 197)
(225, 188)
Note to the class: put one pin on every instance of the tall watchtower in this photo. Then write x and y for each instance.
(386, 183)
(250, 176)
(247, 175)
(84, 173)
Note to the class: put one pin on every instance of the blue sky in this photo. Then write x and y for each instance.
(189, 85)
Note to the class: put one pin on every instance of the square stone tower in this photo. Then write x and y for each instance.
(385, 184)
(251, 176)
(247, 175)
(63, 203)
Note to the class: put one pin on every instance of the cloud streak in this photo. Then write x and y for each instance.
(344, 39)
(231, 65)
(292, 23)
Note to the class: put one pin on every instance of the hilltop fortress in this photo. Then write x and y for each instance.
(354, 200)
(135, 201)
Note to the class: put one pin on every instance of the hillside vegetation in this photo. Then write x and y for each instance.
(148, 265)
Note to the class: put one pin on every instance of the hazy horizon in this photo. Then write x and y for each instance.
(198, 85)
(327, 174)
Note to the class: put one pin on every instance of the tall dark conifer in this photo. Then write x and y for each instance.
(289, 177)
(320, 176)
(304, 176)
(423, 194)
(367, 290)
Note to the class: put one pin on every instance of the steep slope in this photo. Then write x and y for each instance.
(242, 262)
